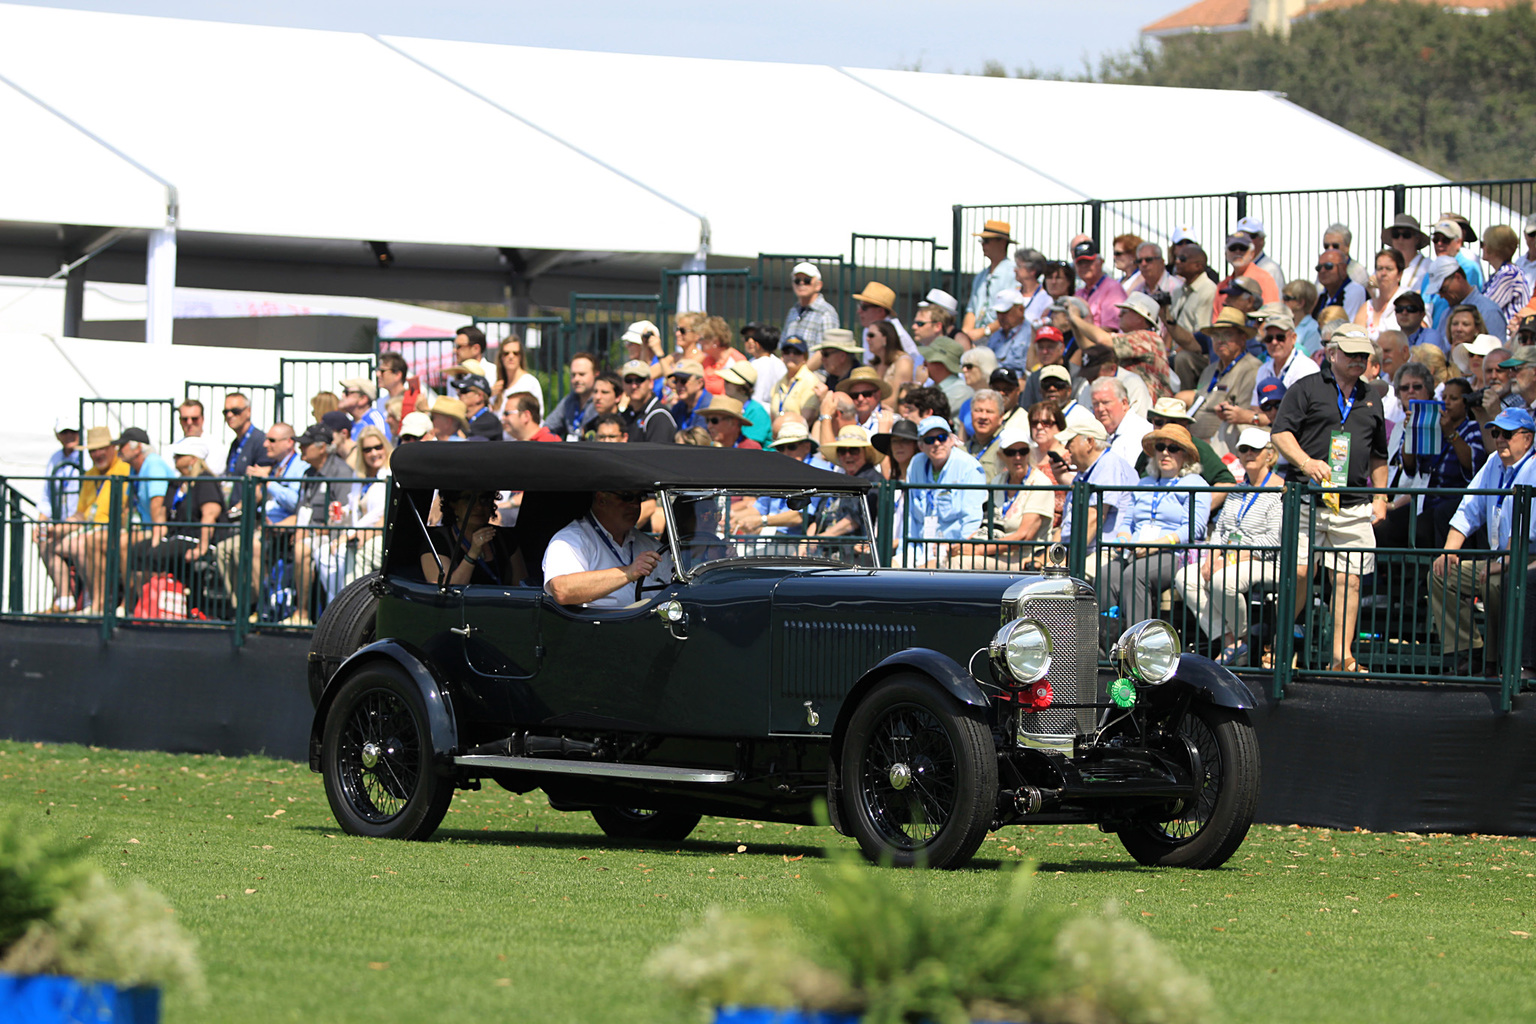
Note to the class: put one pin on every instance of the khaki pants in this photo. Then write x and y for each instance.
(1219, 604)
(1459, 587)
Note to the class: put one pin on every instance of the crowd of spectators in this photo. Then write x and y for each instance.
(1157, 377)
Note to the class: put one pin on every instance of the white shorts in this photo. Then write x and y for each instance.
(1350, 527)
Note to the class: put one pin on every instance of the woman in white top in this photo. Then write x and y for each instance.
(1377, 315)
(511, 377)
(347, 554)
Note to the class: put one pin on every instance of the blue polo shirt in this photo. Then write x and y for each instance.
(146, 487)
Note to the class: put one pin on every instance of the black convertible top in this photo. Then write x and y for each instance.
(600, 466)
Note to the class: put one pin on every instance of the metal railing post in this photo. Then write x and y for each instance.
(1242, 204)
(1096, 220)
(1399, 199)
(242, 582)
(109, 571)
(885, 528)
(1285, 588)
(9, 503)
(955, 243)
(1514, 597)
(1077, 545)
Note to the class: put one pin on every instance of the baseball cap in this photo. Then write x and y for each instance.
(1054, 372)
(1527, 325)
(61, 426)
(1240, 238)
(1082, 428)
(1412, 300)
(1049, 333)
(740, 372)
(1097, 354)
(336, 420)
(1253, 437)
(808, 269)
(193, 446)
(1005, 377)
(467, 381)
(1182, 233)
(1351, 339)
(362, 384)
(132, 434)
(1271, 390)
(940, 297)
(319, 433)
(933, 423)
(635, 368)
(1515, 419)
(1143, 305)
(1246, 285)
(793, 343)
(1447, 227)
(1007, 299)
(416, 424)
(687, 368)
(1013, 436)
(1440, 269)
(1085, 250)
(1172, 409)
(1252, 225)
(1530, 224)
(637, 331)
(1521, 356)
(1282, 320)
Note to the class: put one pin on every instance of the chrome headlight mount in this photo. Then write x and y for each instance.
(1148, 652)
(1020, 653)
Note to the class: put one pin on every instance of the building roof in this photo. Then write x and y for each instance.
(1203, 15)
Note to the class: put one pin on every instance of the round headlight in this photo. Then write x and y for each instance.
(1151, 651)
(1022, 650)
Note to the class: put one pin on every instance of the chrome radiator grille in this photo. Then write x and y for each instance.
(1073, 624)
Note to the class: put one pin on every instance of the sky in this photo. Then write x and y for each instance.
(933, 36)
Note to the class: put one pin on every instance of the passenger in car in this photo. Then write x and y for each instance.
(468, 547)
(600, 560)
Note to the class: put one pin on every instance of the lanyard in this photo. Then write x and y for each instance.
(282, 467)
(1508, 475)
(1345, 408)
(463, 543)
(1253, 498)
(602, 535)
(1070, 406)
(1216, 377)
(234, 456)
(1286, 368)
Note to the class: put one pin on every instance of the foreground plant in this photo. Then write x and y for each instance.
(895, 954)
(60, 915)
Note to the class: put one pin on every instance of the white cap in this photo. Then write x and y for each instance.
(808, 269)
(61, 424)
(1252, 225)
(1080, 417)
(638, 330)
(940, 297)
(1253, 437)
(416, 424)
(1089, 427)
(1007, 299)
(1447, 227)
(1012, 436)
(193, 446)
(1182, 233)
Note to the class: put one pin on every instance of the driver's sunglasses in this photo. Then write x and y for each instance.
(409, 438)
(1325, 266)
(237, 410)
(714, 420)
(1238, 248)
(1499, 433)
(1406, 310)
(1328, 245)
(938, 437)
(1147, 259)
(629, 497)
(1016, 453)
(1163, 447)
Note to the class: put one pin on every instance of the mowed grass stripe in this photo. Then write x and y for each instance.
(523, 912)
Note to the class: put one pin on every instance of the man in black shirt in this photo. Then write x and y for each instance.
(1334, 419)
(648, 417)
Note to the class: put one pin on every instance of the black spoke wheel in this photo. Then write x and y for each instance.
(376, 759)
(919, 775)
(346, 625)
(635, 823)
(1222, 752)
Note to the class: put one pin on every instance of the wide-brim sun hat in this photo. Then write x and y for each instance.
(1405, 220)
(724, 405)
(855, 437)
(1171, 434)
(877, 294)
(903, 429)
(865, 375)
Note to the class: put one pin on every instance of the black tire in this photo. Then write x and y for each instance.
(634, 823)
(919, 775)
(379, 717)
(346, 625)
(1225, 750)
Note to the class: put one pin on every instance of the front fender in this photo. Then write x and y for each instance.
(1212, 683)
(951, 675)
(444, 731)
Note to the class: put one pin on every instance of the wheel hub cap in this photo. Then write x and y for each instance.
(901, 775)
(371, 753)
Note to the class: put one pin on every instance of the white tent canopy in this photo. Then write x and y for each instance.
(274, 133)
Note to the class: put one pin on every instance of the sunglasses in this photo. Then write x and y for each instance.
(714, 420)
(1401, 310)
(1404, 233)
(1332, 245)
(372, 448)
(236, 411)
(1499, 433)
(921, 323)
(1163, 447)
(1238, 248)
(1325, 266)
(633, 380)
(408, 438)
(936, 438)
(861, 393)
(1148, 259)
(629, 497)
(1247, 449)
(190, 419)
(1016, 453)
(869, 306)
(682, 330)
(802, 280)
(1038, 424)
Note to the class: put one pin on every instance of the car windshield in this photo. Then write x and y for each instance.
(829, 527)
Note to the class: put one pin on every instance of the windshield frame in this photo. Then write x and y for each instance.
(684, 572)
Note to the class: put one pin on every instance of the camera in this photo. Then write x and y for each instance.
(1162, 298)
(1475, 398)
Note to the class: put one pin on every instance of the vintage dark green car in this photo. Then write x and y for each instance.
(769, 673)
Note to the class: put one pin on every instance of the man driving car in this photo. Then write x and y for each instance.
(600, 560)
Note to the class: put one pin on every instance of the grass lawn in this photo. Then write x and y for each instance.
(518, 912)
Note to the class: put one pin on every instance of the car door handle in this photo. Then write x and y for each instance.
(463, 631)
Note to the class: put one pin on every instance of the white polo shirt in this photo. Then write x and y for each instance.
(584, 545)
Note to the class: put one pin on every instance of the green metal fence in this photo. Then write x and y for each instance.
(264, 411)
(300, 380)
(908, 266)
(775, 292)
(723, 293)
(426, 359)
(597, 323)
(155, 416)
(1294, 221)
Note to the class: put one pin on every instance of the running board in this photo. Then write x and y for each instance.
(605, 769)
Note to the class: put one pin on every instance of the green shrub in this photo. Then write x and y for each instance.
(37, 873)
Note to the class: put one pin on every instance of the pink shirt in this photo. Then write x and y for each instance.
(1102, 300)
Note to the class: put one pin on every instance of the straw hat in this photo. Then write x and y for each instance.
(1231, 317)
(1172, 409)
(857, 437)
(995, 229)
(741, 373)
(865, 375)
(724, 405)
(792, 432)
(1172, 434)
(451, 407)
(97, 437)
(877, 294)
(840, 339)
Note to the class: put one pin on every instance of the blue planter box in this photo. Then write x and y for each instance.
(50, 999)
(774, 1015)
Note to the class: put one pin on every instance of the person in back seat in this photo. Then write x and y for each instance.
(471, 549)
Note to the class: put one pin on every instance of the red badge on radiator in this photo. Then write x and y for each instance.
(1037, 697)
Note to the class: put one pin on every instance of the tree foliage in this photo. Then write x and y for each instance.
(1454, 92)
